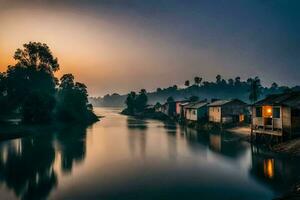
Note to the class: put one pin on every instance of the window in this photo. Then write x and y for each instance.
(276, 112)
(258, 112)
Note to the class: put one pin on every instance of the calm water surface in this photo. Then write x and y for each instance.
(124, 158)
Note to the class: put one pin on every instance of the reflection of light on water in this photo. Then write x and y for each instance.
(269, 168)
(215, 142)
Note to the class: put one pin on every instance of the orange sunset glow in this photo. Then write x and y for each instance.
(107, 44)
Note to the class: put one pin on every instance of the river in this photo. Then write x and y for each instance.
(122, 157)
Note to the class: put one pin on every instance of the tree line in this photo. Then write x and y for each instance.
(136, 103)
(30, 90)
(249, 90)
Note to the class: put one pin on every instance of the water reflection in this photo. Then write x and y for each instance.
(137, 137)
(27, 164)
(278, 173)
(223, 143)
(126, 158)
(27, 167)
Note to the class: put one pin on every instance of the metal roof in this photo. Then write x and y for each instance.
(291, 99)
(196, 105)
(223, 102)
(219, 102)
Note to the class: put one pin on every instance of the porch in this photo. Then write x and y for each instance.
(267, 120)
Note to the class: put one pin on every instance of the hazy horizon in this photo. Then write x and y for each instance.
(123, 45)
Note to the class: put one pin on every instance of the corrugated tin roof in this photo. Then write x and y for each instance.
(196, 105)
(219, 102)
(223, 102)
(291, 99)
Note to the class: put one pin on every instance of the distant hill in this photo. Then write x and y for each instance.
(221, 89)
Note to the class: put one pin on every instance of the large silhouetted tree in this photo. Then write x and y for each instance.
(31, 82)
(30, 88)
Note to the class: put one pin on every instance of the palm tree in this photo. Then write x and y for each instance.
(255, 90)
(187, 83)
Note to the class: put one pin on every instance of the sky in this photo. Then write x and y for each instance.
(123, 45)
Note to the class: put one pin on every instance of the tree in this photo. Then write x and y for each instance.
(72, 101)
(158, 90)
(170, 99)
(255, 90)
(197, 80)
(3, 94)
(218, 79)
(31, 82)
(130, 102)
(274, 85)
(157, 105)
(141, 101)
(187, 83)
(238, 80)
(36, 56)
(249, 81)
(231, 82)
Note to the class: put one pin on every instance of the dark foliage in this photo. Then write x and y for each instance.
(29, 88)
(219, 89)
(136, 103)
(72, 101)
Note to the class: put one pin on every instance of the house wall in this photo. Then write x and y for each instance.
(191, 114)
(178, 108)
(196, 114)
(286, 118)
(214, 114)
(233, 108)
(256, 121)
(259, 121)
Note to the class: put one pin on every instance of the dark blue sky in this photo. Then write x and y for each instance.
(187, 38)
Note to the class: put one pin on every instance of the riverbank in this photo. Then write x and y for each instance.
(147, 115)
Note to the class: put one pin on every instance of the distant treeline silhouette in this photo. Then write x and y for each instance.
(248, 90)
(30, 90)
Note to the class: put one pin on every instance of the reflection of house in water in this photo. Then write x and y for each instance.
(215, 142)
(281, 174)
(226, 144)
(221, 143)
